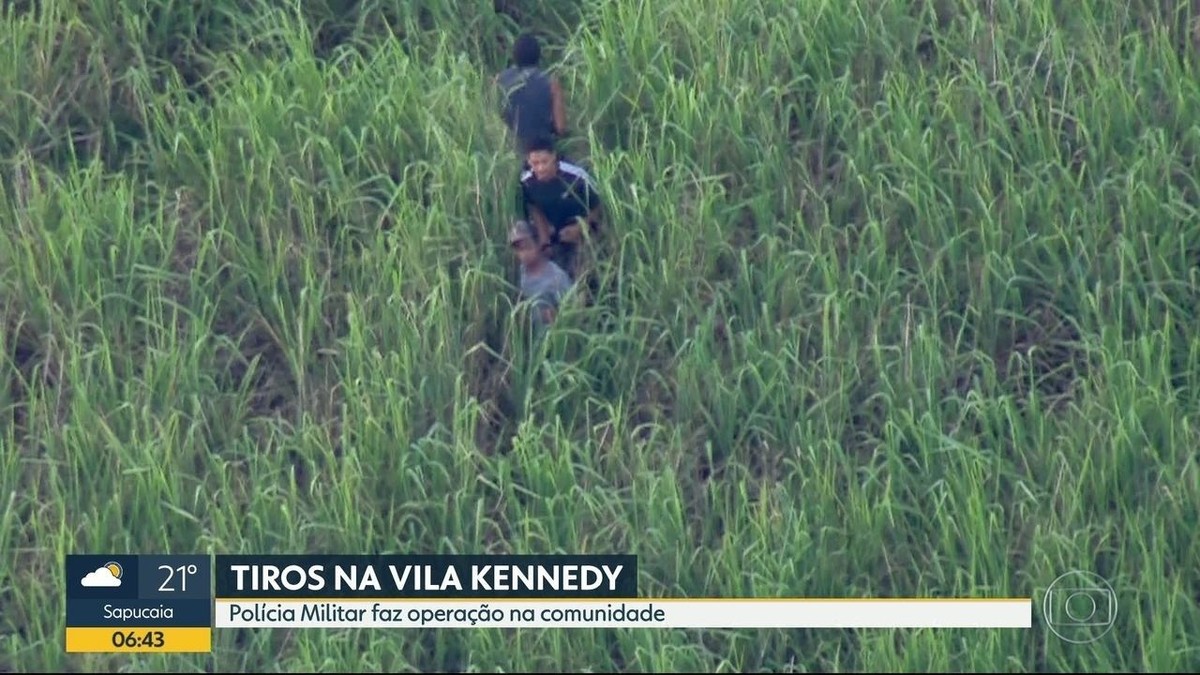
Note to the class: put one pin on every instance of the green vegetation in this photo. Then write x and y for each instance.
(902, 300)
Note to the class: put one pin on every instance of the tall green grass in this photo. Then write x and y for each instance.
(899, 299)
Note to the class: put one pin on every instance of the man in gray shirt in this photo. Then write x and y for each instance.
(543, 282)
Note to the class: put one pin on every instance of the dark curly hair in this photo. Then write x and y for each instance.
(526, 51)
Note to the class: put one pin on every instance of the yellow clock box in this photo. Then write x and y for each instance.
(139, 603)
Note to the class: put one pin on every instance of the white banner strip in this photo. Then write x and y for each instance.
(616, 613)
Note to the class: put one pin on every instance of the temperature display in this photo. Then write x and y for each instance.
(141, 603)
(175, 577)
(184, 572)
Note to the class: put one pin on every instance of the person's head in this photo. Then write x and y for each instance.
(526, 51)
(542, 157)
(524, 243)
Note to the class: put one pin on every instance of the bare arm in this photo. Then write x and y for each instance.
(560, 107)
(540, 222)
(594, 217)
(573, 233)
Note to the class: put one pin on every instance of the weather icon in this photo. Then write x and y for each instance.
(108, 576)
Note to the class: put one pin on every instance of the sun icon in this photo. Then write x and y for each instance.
(114, 568)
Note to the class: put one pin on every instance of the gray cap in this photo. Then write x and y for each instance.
(520, 231)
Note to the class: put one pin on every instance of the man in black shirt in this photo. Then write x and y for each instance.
(531, 99)
(559, 199)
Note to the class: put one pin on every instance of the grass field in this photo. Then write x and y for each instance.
(900, 299)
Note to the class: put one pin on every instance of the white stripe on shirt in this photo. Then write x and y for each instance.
(578, 172)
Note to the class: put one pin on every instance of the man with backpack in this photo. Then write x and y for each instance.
(531, 99)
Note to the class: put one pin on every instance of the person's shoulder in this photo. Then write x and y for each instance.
(576, 174)
(573, 170)
(511, 78)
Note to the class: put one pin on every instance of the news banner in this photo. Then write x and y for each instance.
(173, 603)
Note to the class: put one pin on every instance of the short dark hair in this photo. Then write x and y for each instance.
(540, 143)
(526, 51)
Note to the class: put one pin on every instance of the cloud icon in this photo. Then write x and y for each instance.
(102, 577)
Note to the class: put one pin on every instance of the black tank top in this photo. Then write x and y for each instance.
(528, 105)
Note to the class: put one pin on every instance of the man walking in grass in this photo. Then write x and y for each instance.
(543, 283)
(560, 199)
(531, 99)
